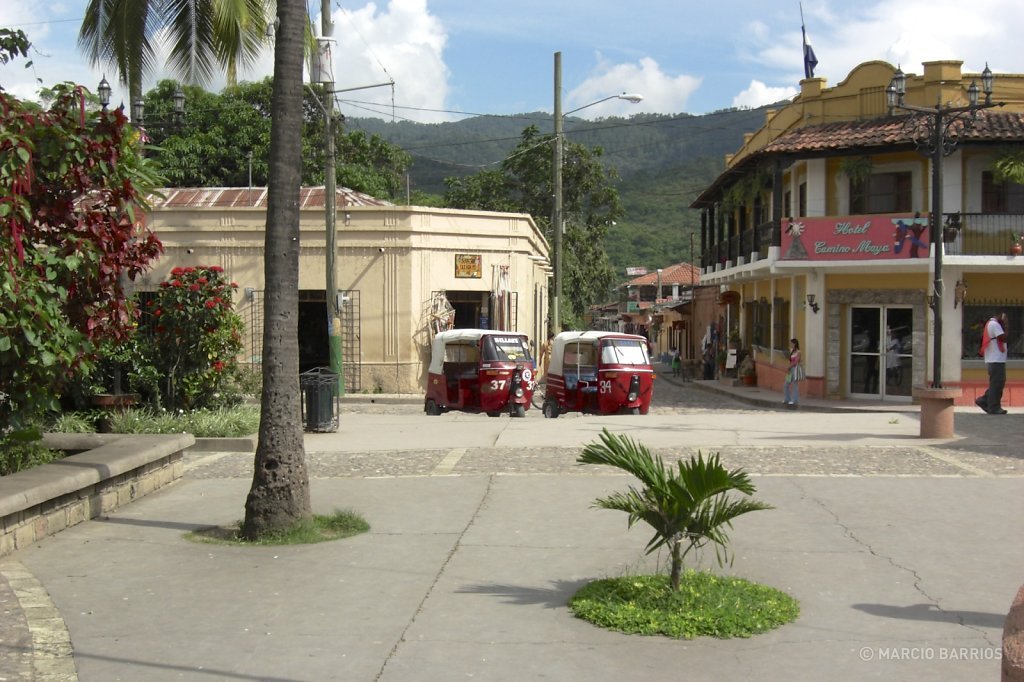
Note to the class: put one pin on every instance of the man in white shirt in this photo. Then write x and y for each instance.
(993, 347)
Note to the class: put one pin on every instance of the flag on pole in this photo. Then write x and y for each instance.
(810, 61)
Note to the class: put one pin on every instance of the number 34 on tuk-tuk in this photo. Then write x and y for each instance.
(600, 373)
(480, 370)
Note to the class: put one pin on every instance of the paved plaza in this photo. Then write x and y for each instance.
(904, 553)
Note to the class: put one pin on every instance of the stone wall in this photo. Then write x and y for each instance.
(108, 472)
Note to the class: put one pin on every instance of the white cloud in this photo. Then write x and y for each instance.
(661, 92)
(404, 42)
(758, 94)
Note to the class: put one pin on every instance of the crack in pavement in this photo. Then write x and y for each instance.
(917, 579)
(437, 577)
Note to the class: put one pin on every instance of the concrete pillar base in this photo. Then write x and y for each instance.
(936, 410)
(1013, 641)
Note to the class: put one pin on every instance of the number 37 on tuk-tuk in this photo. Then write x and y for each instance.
(600, 373)
(479, 370)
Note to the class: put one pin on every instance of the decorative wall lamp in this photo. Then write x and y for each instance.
(811, 301)
(959, 293)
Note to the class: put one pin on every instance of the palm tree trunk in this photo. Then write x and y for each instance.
(279, 495)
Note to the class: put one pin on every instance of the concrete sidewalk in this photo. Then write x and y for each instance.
(904, 554)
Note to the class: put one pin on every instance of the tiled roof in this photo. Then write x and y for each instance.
(990, 127)
(256, 197)
(680, 273)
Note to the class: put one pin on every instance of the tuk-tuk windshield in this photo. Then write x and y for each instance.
(506, 349)
(624, 352)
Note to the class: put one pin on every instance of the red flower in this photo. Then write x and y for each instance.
(211, 304)
(202, 280)
(175, 282)
(234, 285)
(164, 285)
(218, 366)
(177, 271)
(216, 268)
(158, 312)
(195, 287)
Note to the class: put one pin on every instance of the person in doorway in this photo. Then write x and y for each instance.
(892, 358)
(795, 374)
(993, 348)
(677, 363)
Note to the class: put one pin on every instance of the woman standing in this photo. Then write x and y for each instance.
(791, 387)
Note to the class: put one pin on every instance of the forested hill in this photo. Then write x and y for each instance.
(663, 162)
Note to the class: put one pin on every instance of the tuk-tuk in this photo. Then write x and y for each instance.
(599, 373)
(479, 370)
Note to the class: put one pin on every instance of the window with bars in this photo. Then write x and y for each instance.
(1000, 197)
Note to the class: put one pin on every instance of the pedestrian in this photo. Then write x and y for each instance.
(677, 363)
(794, 375)
(993, 348)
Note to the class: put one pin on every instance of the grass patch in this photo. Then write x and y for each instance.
(319, 528)
(706, 605)
(225, 422)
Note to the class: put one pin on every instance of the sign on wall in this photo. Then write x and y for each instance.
(859, 237)
(468, 265)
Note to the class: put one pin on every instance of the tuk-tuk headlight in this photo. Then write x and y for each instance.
(632, 397)
(519, 391)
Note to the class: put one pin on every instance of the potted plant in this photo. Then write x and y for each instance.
(951, 228)
(748, 370)
(1015, 246)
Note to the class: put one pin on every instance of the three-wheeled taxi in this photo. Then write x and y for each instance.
(598, 372)
(480, 370)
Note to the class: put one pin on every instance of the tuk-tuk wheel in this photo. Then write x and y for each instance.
(550, 409)
(432, 409)
(518, 410)
(494, 414)
(634, 410)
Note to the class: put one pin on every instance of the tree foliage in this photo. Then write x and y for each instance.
(590, 204)
(71, 183)
(212, 146)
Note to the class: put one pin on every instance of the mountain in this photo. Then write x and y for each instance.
(663, 162)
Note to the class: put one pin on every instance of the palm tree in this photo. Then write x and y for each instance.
(204, 34)
(687, 508)
(279, 495)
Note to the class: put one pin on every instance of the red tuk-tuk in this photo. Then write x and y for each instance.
(480, 370)
(600, 373)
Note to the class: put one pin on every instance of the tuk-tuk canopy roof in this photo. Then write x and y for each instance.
(473, 336)
(559, 342)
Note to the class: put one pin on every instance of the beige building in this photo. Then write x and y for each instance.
(402, 273)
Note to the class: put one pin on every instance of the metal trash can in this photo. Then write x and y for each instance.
(319, 387)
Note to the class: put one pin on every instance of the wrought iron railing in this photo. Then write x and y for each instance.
(982, 234)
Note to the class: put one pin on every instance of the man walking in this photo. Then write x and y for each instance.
(993, 348)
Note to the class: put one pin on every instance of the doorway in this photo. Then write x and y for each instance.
(881, 352)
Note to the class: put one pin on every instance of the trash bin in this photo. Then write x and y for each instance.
(319, 388)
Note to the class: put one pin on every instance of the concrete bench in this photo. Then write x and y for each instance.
(108, 471)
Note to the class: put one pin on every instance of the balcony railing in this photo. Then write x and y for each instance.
(979, 234)
(983, 234)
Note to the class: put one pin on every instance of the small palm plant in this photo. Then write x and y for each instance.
(687, 506)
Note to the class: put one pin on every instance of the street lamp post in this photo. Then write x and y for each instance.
(936, 132)
(556, 212)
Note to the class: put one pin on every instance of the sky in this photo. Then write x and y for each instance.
(452, 58)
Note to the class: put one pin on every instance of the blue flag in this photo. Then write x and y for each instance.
(810, 61)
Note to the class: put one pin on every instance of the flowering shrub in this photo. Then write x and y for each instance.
(197, 337)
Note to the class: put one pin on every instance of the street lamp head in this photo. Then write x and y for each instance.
(103, 90)
(179, 105)
(986, 83)
(972, 94)
(138, 111)
(632, 97)
(899, 85)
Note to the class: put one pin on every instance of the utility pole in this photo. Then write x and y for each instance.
(330, 194)
(556, 213)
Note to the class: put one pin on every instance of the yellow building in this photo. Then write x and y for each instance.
(820, 224)
(401, 272)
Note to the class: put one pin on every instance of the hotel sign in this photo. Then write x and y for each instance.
(886, 236)
(468, 266)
